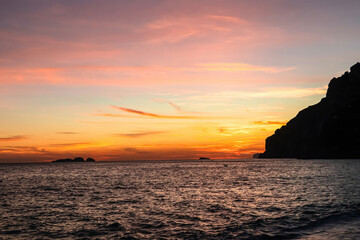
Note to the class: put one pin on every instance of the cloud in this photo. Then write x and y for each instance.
(122, 74)
(238, 67)
(76, 144)
(170, 29)
(146, 114)
(230, 19)
(135, 150)
(22, 149)
(284, 92)
(270, 122)
(8, 150)
(287, 92)
(138, 113)
(221, 130)
(110, 115)
(14, 138)
(205, 66)
(174, 106)
(129, 110)
(67, 133)
(138, 134)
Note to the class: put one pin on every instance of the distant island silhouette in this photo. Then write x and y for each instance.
(77, 159)
(329, 129)
(204, 158)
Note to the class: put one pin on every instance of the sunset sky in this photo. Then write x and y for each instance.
(158, 79)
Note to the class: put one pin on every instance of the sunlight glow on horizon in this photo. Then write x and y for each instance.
(134, 80)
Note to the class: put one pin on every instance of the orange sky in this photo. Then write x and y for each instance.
(161, 79)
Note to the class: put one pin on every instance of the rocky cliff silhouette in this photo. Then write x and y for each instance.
(329, 129)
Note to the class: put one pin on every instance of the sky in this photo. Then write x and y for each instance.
(163, 79)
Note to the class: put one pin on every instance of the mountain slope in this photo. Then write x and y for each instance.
(328, 129)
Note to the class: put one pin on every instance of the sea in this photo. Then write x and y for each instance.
(215, 199)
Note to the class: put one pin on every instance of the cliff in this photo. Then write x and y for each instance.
(329, 129)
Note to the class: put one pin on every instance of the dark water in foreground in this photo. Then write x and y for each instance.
(260, 199)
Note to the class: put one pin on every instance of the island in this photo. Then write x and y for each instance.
(204, 158)
(77, 159)
(329, 129)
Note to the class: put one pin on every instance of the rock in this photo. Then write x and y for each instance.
(90, 160)
(329, 129)
(256, 155)
(79, 159)
(64, 160)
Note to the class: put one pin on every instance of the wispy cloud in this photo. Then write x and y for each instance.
(287, 92)
(147, 114)
(110, 115)
(67, 133)
(137, 113)
(230, 19)
(176, 107)
(175, 29)
(138, 134)
(110, 75)
(75, 144)
(8, 150)
(205, 66)
(129, 110)
(284, 92)
(14, 138)
(270, 122)
(135, 150)
(22, 149)
(239, 67)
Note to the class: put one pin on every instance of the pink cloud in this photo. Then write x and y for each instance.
(124, 75)
(238, 67)
(174, 29)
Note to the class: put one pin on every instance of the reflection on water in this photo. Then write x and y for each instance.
(259, 199)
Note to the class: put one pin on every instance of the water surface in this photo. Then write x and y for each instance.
(247, 199)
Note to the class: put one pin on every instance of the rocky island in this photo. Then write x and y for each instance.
(329, 129)
(77, 159)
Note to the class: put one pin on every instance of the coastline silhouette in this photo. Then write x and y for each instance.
(77, 159)
(327, 130)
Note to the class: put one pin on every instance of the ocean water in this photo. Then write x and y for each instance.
(245, 199)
